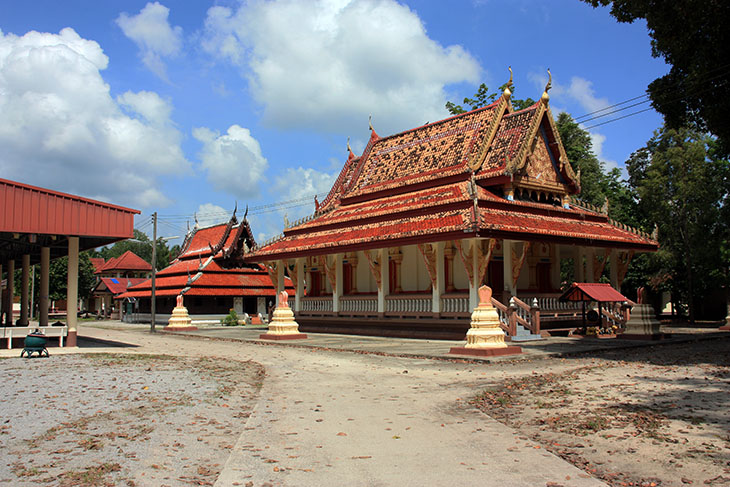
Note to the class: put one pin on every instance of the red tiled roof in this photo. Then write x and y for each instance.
(118, 285)
(97, 262)
(128, 261)
(599, 292)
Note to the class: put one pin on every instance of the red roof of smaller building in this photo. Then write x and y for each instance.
(593, 291)
(117, 285)
(97, 262)
(128, 261)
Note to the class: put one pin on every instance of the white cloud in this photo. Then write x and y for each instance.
(209, 214)
(154, 36)
(298, 186)
(233, 161)
(328, 64)
(60, 128)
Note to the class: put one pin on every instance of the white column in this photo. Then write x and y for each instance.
(279, 279)
(72, 289)
(614, 269)
(10, 290)
(474, 283)
(24, 288)
(590, 256)
(299, 263)
(337, 290)
(43, 290)
(384, 277)
(578, 259)
(555, 266)
(440, 285)
(2, 302)
(508, 249)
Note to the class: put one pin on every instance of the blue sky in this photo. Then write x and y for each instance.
(189, 107)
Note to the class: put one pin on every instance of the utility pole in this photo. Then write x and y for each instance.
(154, 270)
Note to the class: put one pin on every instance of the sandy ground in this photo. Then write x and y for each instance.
(646, 416)
(650, 416)
(114, 419)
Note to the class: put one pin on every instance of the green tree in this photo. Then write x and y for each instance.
(58, 277)
(692, 36)
(483, 98)
(682, 185)
(142, 246)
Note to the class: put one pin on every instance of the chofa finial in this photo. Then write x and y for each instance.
(509, 87)
(370, 122)
(545, 97)
(349, 149)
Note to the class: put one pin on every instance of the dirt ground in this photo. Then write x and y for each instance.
(115, 419)
(655, 416)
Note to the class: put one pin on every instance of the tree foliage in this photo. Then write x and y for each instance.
(682, 186)
(693, 38)
(142, 246)
(483, 98)
(58, 277)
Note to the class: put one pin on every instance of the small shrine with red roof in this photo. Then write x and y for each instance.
(114, 276)
(212, 278)
(421, 219)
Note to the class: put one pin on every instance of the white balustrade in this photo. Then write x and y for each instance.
(408, 304)
(317, 305)
(359, 305)
(455, 304)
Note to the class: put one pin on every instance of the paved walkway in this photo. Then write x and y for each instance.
(331, 417)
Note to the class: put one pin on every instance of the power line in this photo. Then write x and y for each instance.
(619, 118)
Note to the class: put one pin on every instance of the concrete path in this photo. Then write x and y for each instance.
(328, 418)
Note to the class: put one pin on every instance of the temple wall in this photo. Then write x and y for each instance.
(461, 279)
(414, 276)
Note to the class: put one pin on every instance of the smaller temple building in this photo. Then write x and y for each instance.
(211, 277)
(114, 277)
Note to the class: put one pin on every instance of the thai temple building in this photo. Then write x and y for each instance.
(114, 277)
(211, 276)
(421, 219)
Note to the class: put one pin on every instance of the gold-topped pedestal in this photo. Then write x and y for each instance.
(485, 338)
(180, 319)
(282, 325)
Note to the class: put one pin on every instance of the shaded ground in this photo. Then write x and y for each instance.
(655, 416)
(114, 419)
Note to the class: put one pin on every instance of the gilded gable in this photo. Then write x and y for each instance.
(541, 165)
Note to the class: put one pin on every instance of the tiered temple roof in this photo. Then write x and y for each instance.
(210, 264)
(491, 172)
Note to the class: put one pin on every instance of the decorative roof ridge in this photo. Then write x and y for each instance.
(187, 241)
(374, 137)
(502, 106)
(563, 162)
(514, 165)
(222, 242)
(448, 119)
(340, 181)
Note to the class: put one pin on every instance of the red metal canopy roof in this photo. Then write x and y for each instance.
(593, 291)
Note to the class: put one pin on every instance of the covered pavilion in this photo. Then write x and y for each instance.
(38, 225)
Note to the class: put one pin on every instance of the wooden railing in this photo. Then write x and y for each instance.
(528, 316)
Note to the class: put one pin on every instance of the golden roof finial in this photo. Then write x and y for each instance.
(348, 145)
(370, 122)
(545, 97)
(510, 86)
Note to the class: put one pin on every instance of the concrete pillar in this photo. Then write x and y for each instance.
(279, 279)
(299, 263)
(72, 290)
(555, 266)
(10, 292)
(614, 269)
(43, 290)
(590, 257)
(508, 249)
(2, 300)
(578, 259)
(440, 286)
(24, 288)
(337, 289)
(384, 277)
